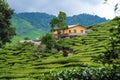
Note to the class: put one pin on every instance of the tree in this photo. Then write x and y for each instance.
(58, 24)
(48, 40)
(6, 32)
(26, 38)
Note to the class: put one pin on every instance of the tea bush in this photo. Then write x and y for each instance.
(88, 73)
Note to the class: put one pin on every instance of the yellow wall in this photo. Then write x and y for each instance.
(55, 32)
(78, 29)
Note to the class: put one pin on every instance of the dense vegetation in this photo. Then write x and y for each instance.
(36, 24)
(38, 20)
(6, 31)
(25, 29)
(95, 56)
(28, 62)
(84, 19)
(49, 41)
(58, 24)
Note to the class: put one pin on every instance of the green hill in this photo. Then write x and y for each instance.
(26, 29)
(85, 19)
(23, 63)
(38, 20)
(37, 24)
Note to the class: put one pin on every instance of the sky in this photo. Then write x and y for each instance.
(70, 7)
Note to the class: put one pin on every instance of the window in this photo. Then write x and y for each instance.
(74, 31)
(81, 31)
(69, 31)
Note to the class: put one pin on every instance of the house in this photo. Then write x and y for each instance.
(73, 30)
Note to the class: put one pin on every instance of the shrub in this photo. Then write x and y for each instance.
(49, 41)
(26, 38)
(92, 73)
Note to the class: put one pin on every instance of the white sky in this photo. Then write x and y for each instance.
(70, 7)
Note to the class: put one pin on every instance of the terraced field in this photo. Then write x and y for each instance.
(24, 65)
(20, 62)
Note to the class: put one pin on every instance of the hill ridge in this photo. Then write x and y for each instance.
(40, 22)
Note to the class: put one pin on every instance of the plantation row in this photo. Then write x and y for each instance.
(85, 58)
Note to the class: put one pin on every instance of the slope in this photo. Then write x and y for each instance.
(37, 24)
(20, 62)
(85, 19)
(25, 28)
(38, 20)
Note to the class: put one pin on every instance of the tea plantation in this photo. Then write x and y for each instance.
(25, 62)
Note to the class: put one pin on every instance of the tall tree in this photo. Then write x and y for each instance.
(58, 24)
(6, 31)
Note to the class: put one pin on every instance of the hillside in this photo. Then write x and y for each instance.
(25, 29)
(37, 24)
(22, 63)
(38, 20)
(84, 19)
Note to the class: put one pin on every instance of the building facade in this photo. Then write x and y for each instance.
(73, 30)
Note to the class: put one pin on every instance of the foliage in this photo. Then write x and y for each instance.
(54, 23)
(58, 24)
(6, 32)
(37, 24)
(113, 48)
(84, 19)
(102, 73)
(49, 41)
(36, 19)
(28, 62)
(26, 38)
(25, 29)
(40, 51)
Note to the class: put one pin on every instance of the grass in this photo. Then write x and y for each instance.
(25, 65)
(25, 29)
(21, 66)
(20, 62)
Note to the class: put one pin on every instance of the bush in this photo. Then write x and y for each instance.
(92, 73)
(49, 41)
(26, 38)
